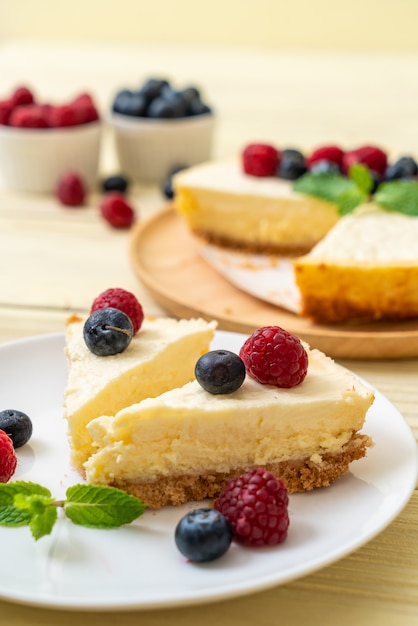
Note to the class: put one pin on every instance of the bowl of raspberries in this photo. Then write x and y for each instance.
(158, 128)
(41, 141)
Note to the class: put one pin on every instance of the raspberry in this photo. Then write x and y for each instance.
(334, 154)
(8, 459)
(70, 190)
(255, 504)
(374, 158)
(84, 112)
(83, 99)
(116, 210)
(22, 95)
(63, 115)
(84, 109)
(260, 159)
(6, 108)
(274, 356)
(123, 300)
(29, 116)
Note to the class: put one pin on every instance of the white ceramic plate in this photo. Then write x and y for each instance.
(138, 566)
(268, 277)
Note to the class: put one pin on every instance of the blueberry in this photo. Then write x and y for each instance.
(107, 331)
(177, 100)
(167, 107)
(220, 371)
(203, 535)
(17, 425)
(115, 183)
(377, 179)
(190, 93)
(197, 107)
(292, 164)
(325, 167)
(167, 186)
(121, 97)
(132, 103)
(153, 87)
(405, 167)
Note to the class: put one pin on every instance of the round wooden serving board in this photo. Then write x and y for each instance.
(165, 258)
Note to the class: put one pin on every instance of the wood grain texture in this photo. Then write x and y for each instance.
(166, 260)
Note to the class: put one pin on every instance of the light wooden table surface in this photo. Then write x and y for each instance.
(55, 260)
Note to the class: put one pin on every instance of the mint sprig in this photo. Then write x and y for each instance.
(336, 188)
(347, 193)
(93, 506)
(399, 195)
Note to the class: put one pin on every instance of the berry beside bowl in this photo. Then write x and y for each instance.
(158, 126)
(39, 142)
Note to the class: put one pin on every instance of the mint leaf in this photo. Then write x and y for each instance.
(398, 195)
(97, 506)
(29, 504)
(334, 188)
(325, 186)
(10, 513)
(43, 522)
(360, 174)
(350, 199)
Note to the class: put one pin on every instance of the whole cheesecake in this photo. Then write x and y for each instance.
(365, 268)
(186, 443)
(161, 356)
(227, 207)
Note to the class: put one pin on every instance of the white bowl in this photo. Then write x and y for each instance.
(147, 149)
(33, 160)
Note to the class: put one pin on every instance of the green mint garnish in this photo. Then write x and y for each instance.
(29, 504)
(352, 191)
(398, 195)
(101, 507)
(360, 175)
(335, 188)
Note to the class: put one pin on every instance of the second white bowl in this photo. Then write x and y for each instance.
(147, 149)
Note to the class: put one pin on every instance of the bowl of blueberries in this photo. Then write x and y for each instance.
(158, 128)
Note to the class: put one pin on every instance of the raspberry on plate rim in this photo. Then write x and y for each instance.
(8, 460)
(256, 504)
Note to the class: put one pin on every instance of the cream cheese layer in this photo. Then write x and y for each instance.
(160, 357)
(189, 431)
(369, 236)
(219, 198)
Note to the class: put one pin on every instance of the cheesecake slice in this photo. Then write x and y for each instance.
(185, 444)
(161, 356)
(225, 206)
(366, 268)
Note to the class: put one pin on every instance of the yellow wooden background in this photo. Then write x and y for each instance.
(308, 24)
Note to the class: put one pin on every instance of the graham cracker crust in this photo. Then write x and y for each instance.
(298, 475)
(283, 249)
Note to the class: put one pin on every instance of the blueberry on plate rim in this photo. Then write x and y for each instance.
(203, 535)
(17, 425)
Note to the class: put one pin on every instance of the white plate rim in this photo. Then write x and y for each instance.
(232, 591)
